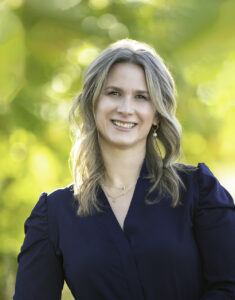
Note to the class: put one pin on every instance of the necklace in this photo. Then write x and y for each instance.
(124, 189)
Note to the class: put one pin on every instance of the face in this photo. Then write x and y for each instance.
(124, 113)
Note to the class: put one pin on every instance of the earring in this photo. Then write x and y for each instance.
(155, 128)
(155, 133)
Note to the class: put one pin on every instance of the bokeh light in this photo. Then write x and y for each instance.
(45, 47)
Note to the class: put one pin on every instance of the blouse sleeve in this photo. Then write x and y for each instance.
(40, 274)
(215, 235)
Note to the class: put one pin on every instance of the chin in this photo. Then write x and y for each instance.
(124, 144)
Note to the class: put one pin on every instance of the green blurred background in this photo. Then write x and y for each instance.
(45, 46)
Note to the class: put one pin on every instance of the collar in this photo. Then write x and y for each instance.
(144, 172)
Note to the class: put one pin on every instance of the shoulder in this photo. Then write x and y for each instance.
(195, 175)
(187, 173)
(60, 195)
(58, 208)
(61, 200)
(199, 175)
(47, 215)
(203, 185)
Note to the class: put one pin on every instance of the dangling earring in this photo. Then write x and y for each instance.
(155, 128)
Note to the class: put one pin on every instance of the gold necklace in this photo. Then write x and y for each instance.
(124, 189)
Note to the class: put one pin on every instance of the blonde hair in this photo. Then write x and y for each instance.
(88, 166)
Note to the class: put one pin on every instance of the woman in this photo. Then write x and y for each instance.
(135, 224)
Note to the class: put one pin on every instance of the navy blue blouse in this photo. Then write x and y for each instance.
(182, 253)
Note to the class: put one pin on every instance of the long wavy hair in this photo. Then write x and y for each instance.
(161, 152)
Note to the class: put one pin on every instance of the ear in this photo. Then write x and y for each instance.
(156, 120)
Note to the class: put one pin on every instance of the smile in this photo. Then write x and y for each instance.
(123, 124)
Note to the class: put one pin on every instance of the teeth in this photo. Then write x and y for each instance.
(125, 125)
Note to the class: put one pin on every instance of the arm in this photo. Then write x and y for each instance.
(40, 273)
(215, 232)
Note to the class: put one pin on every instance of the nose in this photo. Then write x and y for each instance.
(125, 106)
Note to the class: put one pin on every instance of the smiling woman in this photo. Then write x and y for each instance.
(132, 78)
(134, 224)
(123, 115)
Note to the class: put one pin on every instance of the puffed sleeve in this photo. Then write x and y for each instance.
(215, 235)
(40, 274)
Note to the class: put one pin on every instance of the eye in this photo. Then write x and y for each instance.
(141, 97)
(114, 93)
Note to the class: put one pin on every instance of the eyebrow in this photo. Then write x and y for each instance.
(119, 89)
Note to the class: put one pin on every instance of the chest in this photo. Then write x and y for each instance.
(120, 208)
(157, 237)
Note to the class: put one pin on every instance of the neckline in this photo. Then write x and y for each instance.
(129, 211)
(143, 173)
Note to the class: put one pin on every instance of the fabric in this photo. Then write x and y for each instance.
(163, 253)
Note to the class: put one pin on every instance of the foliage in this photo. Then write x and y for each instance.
(44, 48)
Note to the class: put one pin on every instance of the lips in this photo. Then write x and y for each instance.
(124, 124)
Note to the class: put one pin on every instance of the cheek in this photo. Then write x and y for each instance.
(103, 107)
(147, 113)
(101, 116)
(99, 111)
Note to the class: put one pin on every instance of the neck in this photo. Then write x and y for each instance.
(122, 165)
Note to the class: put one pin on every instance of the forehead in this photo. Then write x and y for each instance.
(125, 74)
